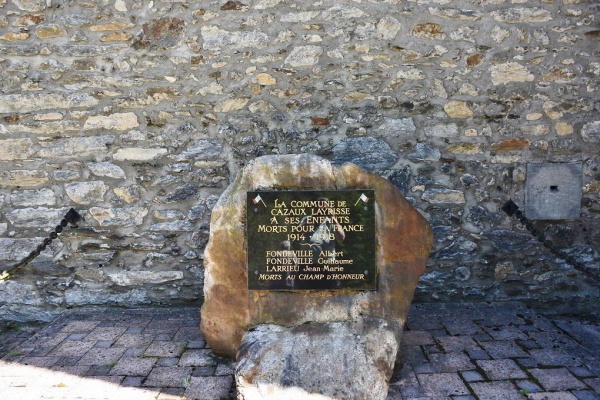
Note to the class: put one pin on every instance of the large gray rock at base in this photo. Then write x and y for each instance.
(317, 361)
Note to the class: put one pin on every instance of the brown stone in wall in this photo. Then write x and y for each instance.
(510, 145)
(403, 240)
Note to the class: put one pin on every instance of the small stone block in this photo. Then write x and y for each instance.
(471, 376)
(495, 390)
(209, 388)
(553, 191)
(133, 381)
(557, 379)
(168, 377)
(501, 369)
(442, 385)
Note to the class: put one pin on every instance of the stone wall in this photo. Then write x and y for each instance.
(139, 113)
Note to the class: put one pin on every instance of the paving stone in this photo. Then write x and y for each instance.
(503, 349)
(72, 370)
(163, 349)
(196, 344)
(106, 333)
(500, 390)
(67, 361)
(168, 377)
(80, 326)
(134, 340)
(586, 395)
(442, 384)
(135, 352)
(458, 343)
(171, 394)
(70, 348)
(557, 379)
(594, 383)
(551, 396)
(135, 366)
(204, 371)
(41, 362)
(167, 362)
(581, 372)
(506, 333)
(209, 388)
(528, 386)
(451, 362)
(197, 358)
(134, 381)
(472, 376)
(104, 344)
(460, 326)
(186, 333)
(224, 369)
(552, 357)
(478, 355)
(100, 356)
(527, 362)
(501, 369)
(98, 370)
(134, 329)
(77, 336)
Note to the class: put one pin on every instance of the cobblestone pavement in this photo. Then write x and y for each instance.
(449, 351)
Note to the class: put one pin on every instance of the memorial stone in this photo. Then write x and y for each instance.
(271, 280)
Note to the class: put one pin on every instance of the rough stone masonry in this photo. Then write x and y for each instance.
(139, 113)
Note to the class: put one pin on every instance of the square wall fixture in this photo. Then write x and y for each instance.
(553, 191)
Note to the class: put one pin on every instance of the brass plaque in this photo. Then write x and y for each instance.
(311, 240)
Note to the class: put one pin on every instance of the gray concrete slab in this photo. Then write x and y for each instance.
(449, 351)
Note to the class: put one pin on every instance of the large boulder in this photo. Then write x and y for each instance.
(403, 242)
(337, 360)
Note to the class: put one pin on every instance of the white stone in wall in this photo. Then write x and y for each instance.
(535, 130)
(522, 15)
(85, 296)
(138, 154)
(410, 73)
(16, 149)
(510, 72)
(28, 102)
(78, 146)
(86, 192)
(40, 217)
(23, 178)
(591, 132)
(443, 196)
(173, 226)
(33, 197)
(342, 13)
(440, 130)
(122, 217)
(303, 16)
(31, 5)
(118, 121)
(137, 278)
(215, 38)
(456, 14)
(231, 105)
(397, 126)
(303, 56)
(107, 169)
(12, 291)
(44, 128)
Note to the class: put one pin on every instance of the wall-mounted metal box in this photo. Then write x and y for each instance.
(553, 191)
